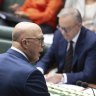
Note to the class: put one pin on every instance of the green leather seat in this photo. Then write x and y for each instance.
(5, 38)
(6, 32)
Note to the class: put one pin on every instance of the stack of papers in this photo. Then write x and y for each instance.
(67, 90)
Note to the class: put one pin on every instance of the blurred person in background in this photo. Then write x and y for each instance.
(42, 12)
(87, 9)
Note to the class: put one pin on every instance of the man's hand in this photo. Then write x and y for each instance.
(55, 78)
(21, 14)
(14, 7)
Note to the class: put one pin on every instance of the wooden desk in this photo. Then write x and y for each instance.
(92, 85)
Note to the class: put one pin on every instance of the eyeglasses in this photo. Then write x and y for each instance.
(66, 30)
(41, 40)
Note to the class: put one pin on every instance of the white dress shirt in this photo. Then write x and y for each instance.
(64, 78)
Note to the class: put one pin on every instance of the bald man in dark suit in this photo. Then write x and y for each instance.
(17, 76)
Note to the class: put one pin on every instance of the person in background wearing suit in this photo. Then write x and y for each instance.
(17, 76)
(81, 63)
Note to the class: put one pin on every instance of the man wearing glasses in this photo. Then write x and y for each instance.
(17, 76)
(73, 51)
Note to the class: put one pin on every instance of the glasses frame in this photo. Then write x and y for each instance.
(66, 30)
(41, 40)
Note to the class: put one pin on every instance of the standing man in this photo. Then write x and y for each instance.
(17, 76)
(73, 51)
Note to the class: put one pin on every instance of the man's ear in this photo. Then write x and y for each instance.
(24, 43)
(80, 24)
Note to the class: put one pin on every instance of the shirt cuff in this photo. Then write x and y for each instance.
(40, 69)
(64, 78)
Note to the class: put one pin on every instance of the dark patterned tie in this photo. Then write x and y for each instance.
(69, 58)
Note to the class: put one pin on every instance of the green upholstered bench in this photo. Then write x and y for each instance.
(5, 38)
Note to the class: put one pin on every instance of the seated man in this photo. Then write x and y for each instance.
(86, 7)
(1, 3)
(73, 51)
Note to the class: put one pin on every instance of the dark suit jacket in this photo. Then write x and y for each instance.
(84, 62)
(19, 78)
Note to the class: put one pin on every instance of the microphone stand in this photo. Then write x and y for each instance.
(85, 85)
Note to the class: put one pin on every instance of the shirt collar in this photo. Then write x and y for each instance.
(14, 48)
(76, 37)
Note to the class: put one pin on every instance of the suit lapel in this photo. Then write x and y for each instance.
(62, 52)
(79, 45)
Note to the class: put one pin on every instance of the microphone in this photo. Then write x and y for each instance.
(79, 83)
(85, 85)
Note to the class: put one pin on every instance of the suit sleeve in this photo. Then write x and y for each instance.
(49, 58)
(36, 85)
